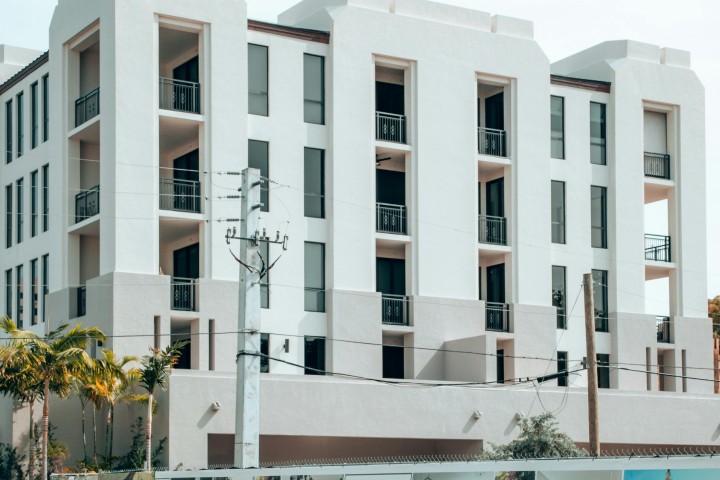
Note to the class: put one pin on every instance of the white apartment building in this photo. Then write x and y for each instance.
(444, 187)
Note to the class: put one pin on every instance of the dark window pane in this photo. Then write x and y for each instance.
(600, 299)
(562, 367)
(314, 277)
(46, 197)
(314, 89)
(8, 131)
(598, 216)
(46, 112)
(19, 300)
(603, 370)
(34, 114)
(45, 283)
(20, 124)
(597, 133)
(257, 80)
(264, 249)
(8, 293)
(265, 350)
(33, 202)
(20, 207)
(258, 158)
(8, 215)
(314, 356)
(558, 212)
(314, 183)
(559, 299)
(557, 127)
(34, 292)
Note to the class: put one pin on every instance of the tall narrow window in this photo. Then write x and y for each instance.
(597, 134)
(20, 314)
(603, 370)
(562, 367)
(314, 88)
(557, 127)
(600, 299)
(19, 186)
(557, 211)
(45, 197)
(264, 248)
(34, 115)
(8, 131)
(598, 216)
(45, 284)
(314, 277)
(33, 203)
(314, 183)
(8, 216)
(559, 300)
(258, 157)
(265, 351)
(258, 79)
(35, 287)
(45, 107)
(8, 293)
(20, 123)
(314, 355)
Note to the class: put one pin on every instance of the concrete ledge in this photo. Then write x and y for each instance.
(674, 57)
(441, 13)
(513, 27)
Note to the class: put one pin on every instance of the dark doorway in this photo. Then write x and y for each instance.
(186, 185)
(390, 98)
(186, 262)
(495, 198)
(390, 187)
(188, 71)
(391, 276)
(393, 361)
(494, 112)
(500, 366)
(496, 283)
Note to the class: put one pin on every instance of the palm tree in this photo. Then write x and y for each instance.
(84, 382)
(154, 373)
(59, 355)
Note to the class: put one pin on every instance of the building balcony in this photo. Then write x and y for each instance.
(657, 165)
(180, 195)
(395, 309)
(87, 204)
(663, 329)
(391, 219)
(492, 230)
(179, 95)
(657, 248)
(390, 127)
(497, 317)
(491, 142)
(87, 107)
(182, 294)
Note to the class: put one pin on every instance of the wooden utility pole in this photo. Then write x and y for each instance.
(593, 422)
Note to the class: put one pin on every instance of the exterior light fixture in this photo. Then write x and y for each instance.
(216, 406)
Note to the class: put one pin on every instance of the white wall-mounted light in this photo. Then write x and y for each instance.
(519, 416)
(477, 414)
(216, 406)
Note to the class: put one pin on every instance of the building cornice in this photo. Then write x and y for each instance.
(292, 32)
(27, 70)
(585, 84)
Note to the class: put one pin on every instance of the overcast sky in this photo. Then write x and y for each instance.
(562, 27)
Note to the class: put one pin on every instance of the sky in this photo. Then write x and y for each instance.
(562, 27)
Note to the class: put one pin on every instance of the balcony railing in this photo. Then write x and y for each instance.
(390, 127)
(183, 294)
(492, 230)
(491, 141)
(601, 321)
(663, 329)
(657, 248)
(180, 195)
(497, 317)
(391, 218)
(81, 301)
(87, 203)
(87, 107)
(179, 95)
(657, 165)
(395, 309)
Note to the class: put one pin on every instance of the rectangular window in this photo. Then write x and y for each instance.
(559, 300)
(19, 296)
(35, 287)
(264, 249)
(603, 370)
(8, 131)
(258, 157)
(557, 127)
(257, 80)
(8, 293)
(557, 210)
(314, 88)
(597, 134)
(45, 284)
(20, 123)
(265, 351)
(598, 216)
(314, 183)
(34, 114)
(8, 215)
(33, 203)
(20, 207)
(45, 197)
(562, 367)
(314, 355)
(45, 107)
(314, 277)
(600, 299)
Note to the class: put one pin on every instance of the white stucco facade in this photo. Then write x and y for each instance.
(138, 90)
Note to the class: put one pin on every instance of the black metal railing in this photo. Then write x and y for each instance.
(663, 329)
(182, 292)
(657, 248)
(390, 127)
(180, 195)
(391, 218)
(87, 203)
(179, 95)
(81, 301)
(601, 321)
(87, 107)
(657, 165)
(497, 317)
(395, 309)
(491, 141)
(492, 230)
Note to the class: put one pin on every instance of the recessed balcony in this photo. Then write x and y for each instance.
(390, 127)
(179, 95)
(657, 165)
(395, 309)
(182, 294)
(497, 317)
(180, 195)
(87, 204)
(657, 248)
(391, 219)
(87, 107)
(491, 141)
(492, 230)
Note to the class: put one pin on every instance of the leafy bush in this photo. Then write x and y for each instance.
(10, 463)
(134, 459)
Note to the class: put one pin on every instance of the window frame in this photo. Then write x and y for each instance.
(603, 370)
(34, 290)
(9, 131)
(306, 100)
(601, 142)
(34, 115)
(45, 284)
(553, 222)
(562, 367)
(310, 196)
(9, 215)
(9, 293)
(20, 120)
(562, 127)
(264, 250)
(46, 107)
(262, 93)
(600, 291)
(19, 296)
(46, 197)
(33, 203)
(603, 220)
(265, 350)
(319, 290)
(561, 311)
(19, 209)
(264, 172)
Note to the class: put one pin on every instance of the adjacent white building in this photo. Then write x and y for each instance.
(443, 186)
